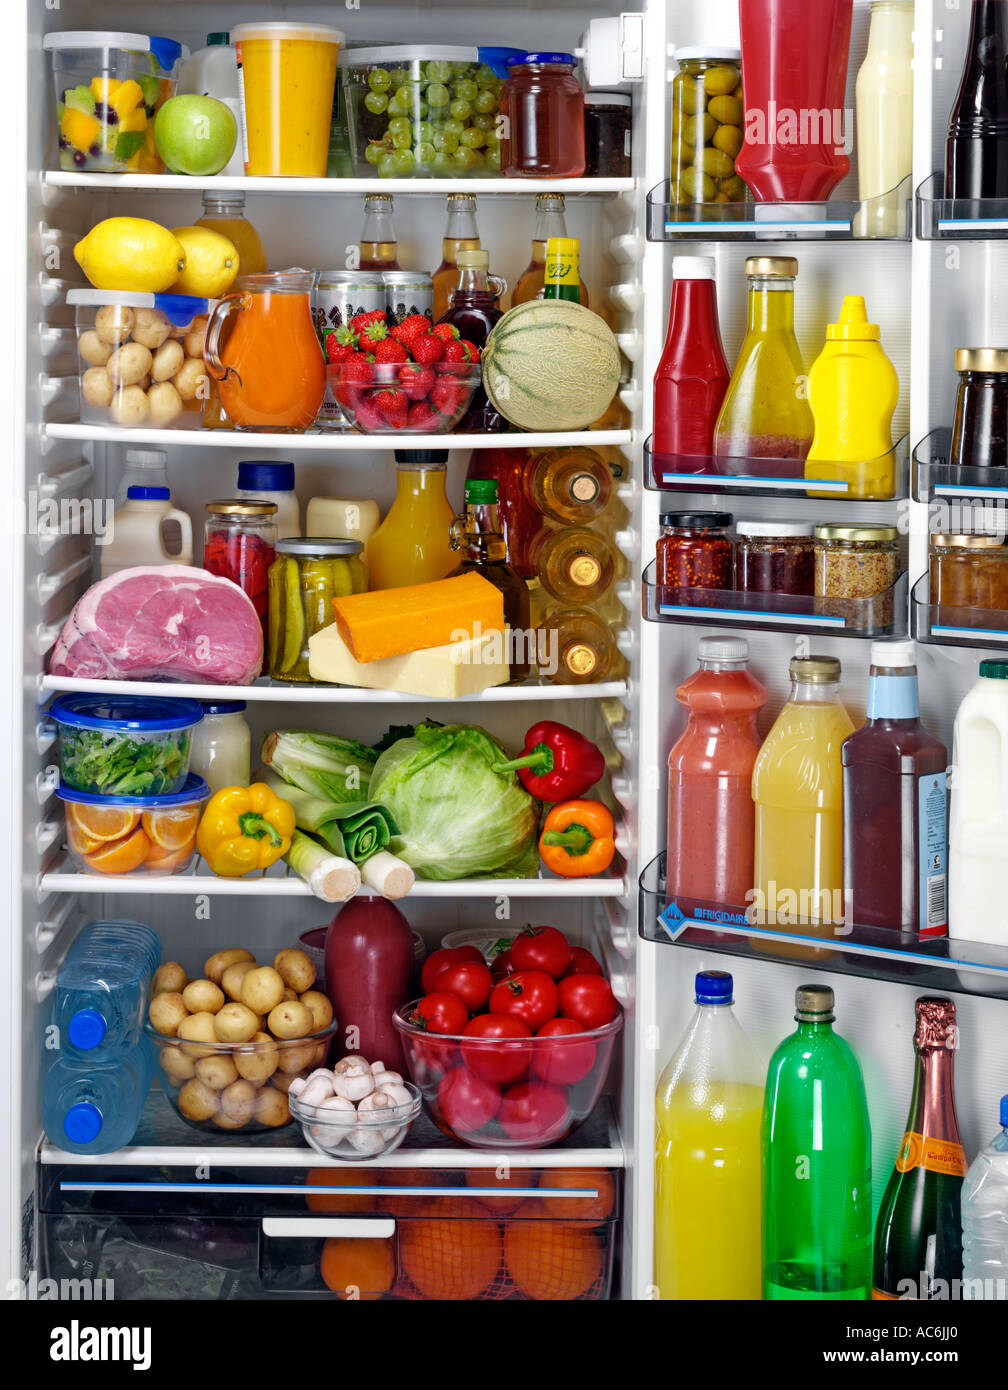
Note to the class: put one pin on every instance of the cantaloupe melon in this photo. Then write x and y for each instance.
(551, 365)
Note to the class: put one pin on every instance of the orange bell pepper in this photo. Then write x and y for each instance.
(578, 839)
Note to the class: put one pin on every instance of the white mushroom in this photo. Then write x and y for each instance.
(352, 1063)
(355, 1086)
(366, 1141)
(297, 1085)
(377, 1066)
(387, 1078)
(337, 1107)
(396, 1093)
(376, 1101)
(316, 1091)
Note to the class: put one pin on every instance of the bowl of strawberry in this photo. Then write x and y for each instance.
(514, 1059)
(407, 377)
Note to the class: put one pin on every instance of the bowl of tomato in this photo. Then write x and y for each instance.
(513, 1063)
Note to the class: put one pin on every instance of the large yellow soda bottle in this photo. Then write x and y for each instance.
(707, 1156)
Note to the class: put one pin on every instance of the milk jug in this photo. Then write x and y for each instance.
(142, 529)
(978, 824)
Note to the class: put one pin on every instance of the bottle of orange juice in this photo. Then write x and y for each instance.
(413, 543)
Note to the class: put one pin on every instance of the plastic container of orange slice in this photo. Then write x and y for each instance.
(133, 835)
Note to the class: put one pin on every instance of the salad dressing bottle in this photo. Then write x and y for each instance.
(477, 534)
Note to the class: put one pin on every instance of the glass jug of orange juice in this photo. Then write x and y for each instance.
(270, 371)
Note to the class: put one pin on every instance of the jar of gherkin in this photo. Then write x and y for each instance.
(307, 574)
(708, 118)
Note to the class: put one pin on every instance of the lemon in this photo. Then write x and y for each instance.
(130, 253)
(211, 262)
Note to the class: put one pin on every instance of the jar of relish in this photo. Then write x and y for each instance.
(695, 551)
(239, 544)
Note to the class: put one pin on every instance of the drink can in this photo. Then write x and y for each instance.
(339, 295)
(408, 292)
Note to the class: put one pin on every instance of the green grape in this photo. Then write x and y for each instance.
(399, 125)
(472, 138)
(376, 102)
(453, 127)
(437, 70)
(425, 152)
(373, 153)
(465, 159)
(484, 121)
(486, 79)
(379, 80)
(402, 140)
(485, 102)
(398, 76)
(438, 95)
(397, 104)
(403, 162)
(386, 164)
(492, 157)
(446, 141)
(466, 89)
(421, 109)
(444, 165)
(425, 132)
(461, 110)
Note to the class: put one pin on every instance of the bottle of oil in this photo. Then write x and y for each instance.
(461, 234)
(478, 536)
(378, 245)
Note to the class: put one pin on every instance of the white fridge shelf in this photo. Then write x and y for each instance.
(279, 692)
(61, 178)
(333, 442)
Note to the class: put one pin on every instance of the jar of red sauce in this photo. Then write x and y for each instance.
(239, 544)
(695, 551)
(543, 110)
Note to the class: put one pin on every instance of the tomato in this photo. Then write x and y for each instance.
(588, 1000)
(530, 995)
(441, 960)
(500, 1065)
(502, 965)
(541, 948)
(466, 1101)
(564, 1064)
(583, 963)
(534, 1113)
(440, 1012)
(471, 981)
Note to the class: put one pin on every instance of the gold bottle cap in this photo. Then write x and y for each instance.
(815, 670)
(781, 267)
(981, 360)
(856, 533)
(241, 506)
(964, 542)
(584, 571)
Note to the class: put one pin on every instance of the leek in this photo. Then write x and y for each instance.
(331, 878)
(336, 769)
(356, 829)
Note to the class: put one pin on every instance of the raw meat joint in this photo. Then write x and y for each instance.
(165, 622)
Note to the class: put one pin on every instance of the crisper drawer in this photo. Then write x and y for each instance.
(350, 1233)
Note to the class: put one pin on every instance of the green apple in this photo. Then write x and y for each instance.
(195, 135)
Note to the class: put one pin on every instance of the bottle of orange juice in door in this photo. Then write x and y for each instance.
(853, 390)
(413, 543)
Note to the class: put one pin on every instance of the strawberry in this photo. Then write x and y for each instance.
(416, 380)
(412, 327)
(447, 396)
(368, 415)
(445, 331)
(362, 320)
(471, 348)
(370, 335)
(388, 350)
(340, 344)
(427, 349)
(393, 406)
(422, 417)
(457, 351)
(357, 371)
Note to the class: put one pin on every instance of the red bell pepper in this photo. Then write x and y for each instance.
(557, 763)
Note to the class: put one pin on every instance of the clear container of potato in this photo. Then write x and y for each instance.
(708, 121)
(141, 358)
(230, 1040)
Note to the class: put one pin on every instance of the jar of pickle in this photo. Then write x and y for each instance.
(238, 544)
(969, 571)
(695, 551)
(307, 574)
(707, 127)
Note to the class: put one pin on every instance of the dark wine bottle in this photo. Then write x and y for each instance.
(976, 151)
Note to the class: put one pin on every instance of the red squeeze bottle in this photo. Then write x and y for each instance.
(692, 376)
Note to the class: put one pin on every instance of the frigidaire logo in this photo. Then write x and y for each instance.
(77, 1343)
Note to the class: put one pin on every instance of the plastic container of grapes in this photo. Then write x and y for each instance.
(421, 112)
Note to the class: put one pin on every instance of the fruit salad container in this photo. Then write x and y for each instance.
(421, 112)
(356, 1138)
(141, 358)
(108, 89)
(213, 1086)
(392, 397)
(124, 744)
(133, 835)
(496, 1094)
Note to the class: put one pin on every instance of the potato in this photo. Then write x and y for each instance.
(238, 1100)
(281, 1081)
(197, 1028)
(169, 978)
(224, 1121)
(191, 380)
(321, 1009)
(129, 364)
(197, 1101)
(290, 993)
(271, 1108)
(295, 968)
(193, 339)
(114, 323)
(164, 403)
(219, 962)
(167, 360)
(297, 1059)
(318, 1053)
(262, 989)
(96, 387)
(259, 1065)
(231, 980)
(291, 1019)
(216, 1072)
(150, 327)
(129, 407)
(166, 1012)
(176, 1065)
(235, 1023)
(203, 996)
(92, 349)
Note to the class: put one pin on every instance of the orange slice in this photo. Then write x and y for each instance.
(79, 840)
(121, 856)
(172, 829)
(166, 862)
(102, 822)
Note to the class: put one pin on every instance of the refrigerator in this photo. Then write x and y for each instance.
(929, 294)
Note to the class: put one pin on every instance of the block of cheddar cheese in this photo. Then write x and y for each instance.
(444, 673)
(391, 622)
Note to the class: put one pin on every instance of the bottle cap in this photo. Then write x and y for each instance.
(481, 491)
(696, 521)
(241, 506)
(136, 492)
(814, 1004)
(775, 530)
(318, 545)
(713, 987)
(256, 476)
(223, 706)
(712, 53)
(692, 267)
(994, 670)
(219, 36)
(1004, 1112)
(815, 670)
(853, 325)
(723, 649)
(422, 458)
(991, 360)
(894, 656)
(82, 1123)
(774, 267)
(865, 535)
(87, 1029)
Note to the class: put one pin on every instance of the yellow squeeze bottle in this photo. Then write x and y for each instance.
(853, 391)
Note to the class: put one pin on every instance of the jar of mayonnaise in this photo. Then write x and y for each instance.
(222, 754)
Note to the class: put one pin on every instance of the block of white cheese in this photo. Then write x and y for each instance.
(458, 668)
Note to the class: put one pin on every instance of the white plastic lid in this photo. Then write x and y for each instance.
(286, 29)
(718, 55)
(769, 529)
(894, 654)
(146, 458)
(693, 267)
(406, 53)
(608, 99)
(723, 649)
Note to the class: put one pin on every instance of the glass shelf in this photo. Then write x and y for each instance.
(967, 967)
(883, 615)
(958, 219)
(760, 477)
(887, 218)
(934, 478)
(955, 627)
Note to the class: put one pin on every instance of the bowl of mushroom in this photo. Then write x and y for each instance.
(357, 1111)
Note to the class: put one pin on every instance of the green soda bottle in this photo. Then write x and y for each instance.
(816, 1152)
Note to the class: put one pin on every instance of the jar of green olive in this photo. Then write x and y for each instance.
(853, 563)
(707, 125)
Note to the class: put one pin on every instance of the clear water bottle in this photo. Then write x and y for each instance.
(985, 1219)
(103, 987)
(93, 1107)
(121, 933)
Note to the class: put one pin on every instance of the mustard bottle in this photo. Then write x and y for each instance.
(853, 390)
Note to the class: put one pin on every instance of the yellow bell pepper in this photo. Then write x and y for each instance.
(244, 828)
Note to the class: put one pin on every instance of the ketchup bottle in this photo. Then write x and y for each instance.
(692, 376)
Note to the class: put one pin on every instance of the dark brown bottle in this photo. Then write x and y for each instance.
(976, 151)
(478, 536)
